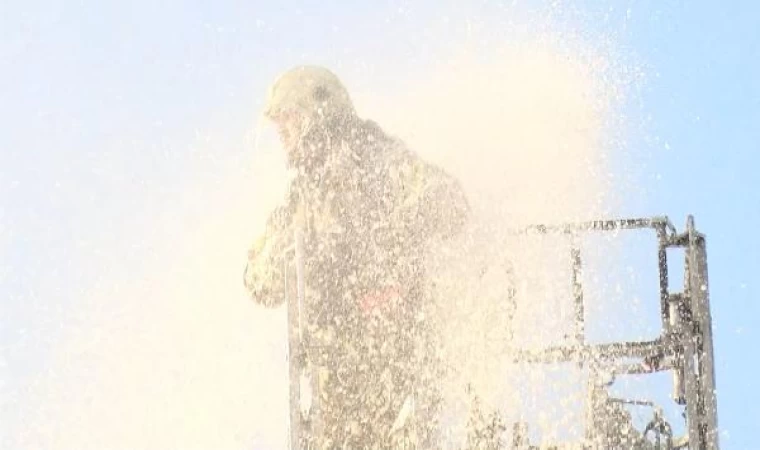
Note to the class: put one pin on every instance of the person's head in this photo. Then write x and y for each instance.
(305, 97)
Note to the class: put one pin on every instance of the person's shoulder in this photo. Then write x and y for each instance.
(387, 145)
(371, 132)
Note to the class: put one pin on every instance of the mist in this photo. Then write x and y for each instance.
(175, 356)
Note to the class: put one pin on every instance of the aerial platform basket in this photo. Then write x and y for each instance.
(684, 347)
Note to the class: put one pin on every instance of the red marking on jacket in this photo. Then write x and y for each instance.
(380, 299)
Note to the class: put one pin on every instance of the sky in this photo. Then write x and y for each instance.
(115, 113)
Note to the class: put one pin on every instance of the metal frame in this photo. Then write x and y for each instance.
(684, 346)
(300, 370)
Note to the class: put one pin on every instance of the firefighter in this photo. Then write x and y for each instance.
(368, 209)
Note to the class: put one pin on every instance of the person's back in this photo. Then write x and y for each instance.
(368, 208)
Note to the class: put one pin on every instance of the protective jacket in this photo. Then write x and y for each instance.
(368, 209)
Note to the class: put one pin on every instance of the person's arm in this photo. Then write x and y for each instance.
(264, 276)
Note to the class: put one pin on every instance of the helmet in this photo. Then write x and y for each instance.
(308, 91)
